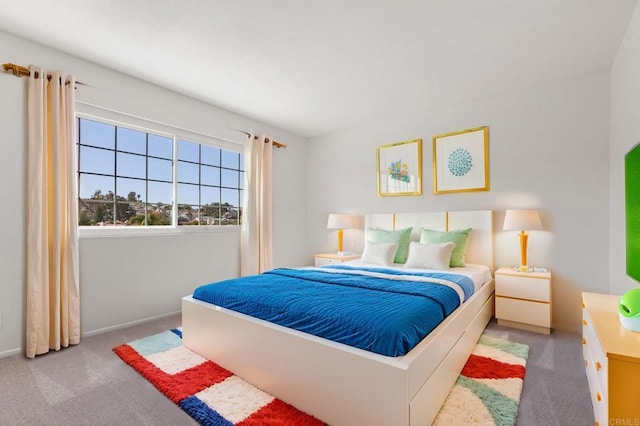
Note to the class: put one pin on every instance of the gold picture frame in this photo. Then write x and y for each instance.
(400, 168)
(461, 161)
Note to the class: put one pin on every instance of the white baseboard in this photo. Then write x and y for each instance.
(15, 351)
(127, 324)
(10, 352)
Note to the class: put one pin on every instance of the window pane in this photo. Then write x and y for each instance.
(241, 162)
(160, 169)
(131, 190)
(131, 165)
(94, 213)
(95, 187)
(210, 214)
(230, 197)
(209, 195)
(158, 215)
(160, 193)
(93, 160)
(188, 172)
(230, 217)
(188, 194)
(241, 198)
(93, 208)
(160, 146)
(210, 175)
(132, 140)
(242, 180)
(210, 155)
(97, 134)
(228, 210)
(188, 215)
(230, 159)
(188, 151)
(124, 211)
(230, 178)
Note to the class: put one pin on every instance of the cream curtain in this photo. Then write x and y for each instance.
(53, 290)
(256, 237)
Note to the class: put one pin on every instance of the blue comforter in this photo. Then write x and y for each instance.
(382, 315)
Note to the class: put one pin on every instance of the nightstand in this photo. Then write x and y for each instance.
(326, 258)
(523, 299)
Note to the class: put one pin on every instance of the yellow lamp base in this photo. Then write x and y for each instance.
(524, 237)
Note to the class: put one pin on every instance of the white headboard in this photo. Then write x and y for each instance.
(480, 248)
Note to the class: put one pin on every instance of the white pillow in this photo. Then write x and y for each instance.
(379, 253)
(429, 256)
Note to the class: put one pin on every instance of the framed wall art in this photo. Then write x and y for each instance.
(461, 161)
(400, 168)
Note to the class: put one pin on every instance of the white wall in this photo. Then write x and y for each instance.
(127, 279)
(625, 134)
(548, 150)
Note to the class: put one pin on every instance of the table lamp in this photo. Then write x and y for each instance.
(340, 221)
(522, 220)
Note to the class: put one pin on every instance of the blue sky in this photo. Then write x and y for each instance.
(128, 165)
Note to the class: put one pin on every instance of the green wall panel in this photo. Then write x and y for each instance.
(632, 209)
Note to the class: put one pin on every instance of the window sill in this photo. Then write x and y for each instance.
(139, 231)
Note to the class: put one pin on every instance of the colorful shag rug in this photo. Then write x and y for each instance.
(488, 389)
(207, 392)
(486, 393)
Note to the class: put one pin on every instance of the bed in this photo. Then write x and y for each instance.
(345, 385)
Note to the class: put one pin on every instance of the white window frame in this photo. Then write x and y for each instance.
(115, 118)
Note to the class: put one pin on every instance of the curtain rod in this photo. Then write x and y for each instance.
(20, 71)
(275, 143)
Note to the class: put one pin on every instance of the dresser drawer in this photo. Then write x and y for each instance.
(596, 354)
(524, 311)
(523, 287)
(598, 398)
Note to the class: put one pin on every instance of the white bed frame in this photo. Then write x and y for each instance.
(339, 384)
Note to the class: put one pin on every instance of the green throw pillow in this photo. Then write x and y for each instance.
(459, 237)
(402, 237)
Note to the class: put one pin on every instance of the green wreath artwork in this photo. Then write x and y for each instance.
(460, 162)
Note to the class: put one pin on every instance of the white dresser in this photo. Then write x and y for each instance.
(523, 299)
(612, 361)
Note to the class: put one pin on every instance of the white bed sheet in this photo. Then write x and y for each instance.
(479, 274)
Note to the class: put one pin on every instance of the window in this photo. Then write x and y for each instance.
(126, 177)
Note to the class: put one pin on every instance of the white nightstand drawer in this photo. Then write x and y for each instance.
(327, 258)
(527, 312)
(325, 261)
(523, 287)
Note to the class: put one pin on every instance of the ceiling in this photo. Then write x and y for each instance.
(315, 67)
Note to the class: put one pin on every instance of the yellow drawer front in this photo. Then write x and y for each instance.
(523, 311)
(523, 287)
(599, 402)
(598, 356)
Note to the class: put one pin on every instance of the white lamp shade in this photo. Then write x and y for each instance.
(339, 221)
(522, 220)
